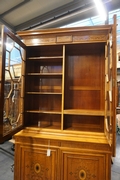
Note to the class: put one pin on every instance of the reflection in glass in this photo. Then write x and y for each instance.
(17, 45)
(12, 86)
(9, 44)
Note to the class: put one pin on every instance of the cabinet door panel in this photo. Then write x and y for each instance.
(84, 166)
(35, 164)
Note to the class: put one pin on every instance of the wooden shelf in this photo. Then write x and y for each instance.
(43, 112)
(71, 112)
(49, 93)
(84, 112)
(45, 74)
(42, 127)
(45, 57)
(77, 88)
(51, 127)
(81, 129)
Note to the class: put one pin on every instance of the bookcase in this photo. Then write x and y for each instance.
(64, 87)
(44, 86)
(68, 104)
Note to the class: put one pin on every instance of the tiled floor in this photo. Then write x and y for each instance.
(7, 159)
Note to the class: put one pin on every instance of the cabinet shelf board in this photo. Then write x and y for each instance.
(82, 128)
(51, 127)
(45, 74)
(45, 57)
(43, 127)
(49, 93)
(84, 112)
(43, 112)
(77, 88)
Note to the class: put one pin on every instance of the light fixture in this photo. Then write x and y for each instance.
(101, 9)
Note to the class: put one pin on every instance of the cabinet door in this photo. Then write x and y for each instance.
(11, 84)
(84, 165)
(32, 163)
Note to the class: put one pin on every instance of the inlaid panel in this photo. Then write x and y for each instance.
(83, 166)
(37, 164)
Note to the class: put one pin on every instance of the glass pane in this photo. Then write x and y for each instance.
(12, 86)
(17, 45)
(15, 56)
(9, 44)
(7, 59)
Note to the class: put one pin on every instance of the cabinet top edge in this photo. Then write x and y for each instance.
(89, 137)
(106, 28)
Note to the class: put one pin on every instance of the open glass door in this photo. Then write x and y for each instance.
(11, 88)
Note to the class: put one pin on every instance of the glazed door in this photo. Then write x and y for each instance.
(12, 58)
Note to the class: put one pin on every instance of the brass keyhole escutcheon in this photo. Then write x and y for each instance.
(82, 174)
(37, 168)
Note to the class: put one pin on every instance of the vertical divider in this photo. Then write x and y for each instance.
(106, 126)
(106, 74)
(63, 85)
(23, 75)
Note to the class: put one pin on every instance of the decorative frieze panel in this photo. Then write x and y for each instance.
(64, 38)
(89, 38)
(71, 38)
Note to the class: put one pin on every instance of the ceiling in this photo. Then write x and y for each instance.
(30, 14)
(41, 14)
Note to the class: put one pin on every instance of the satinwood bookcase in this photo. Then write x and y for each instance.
(68, 100)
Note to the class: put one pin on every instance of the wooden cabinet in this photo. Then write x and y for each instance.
(68, 102)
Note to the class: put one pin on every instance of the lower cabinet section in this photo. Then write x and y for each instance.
(52, 158)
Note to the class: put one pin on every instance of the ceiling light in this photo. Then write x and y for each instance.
(101, 9)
